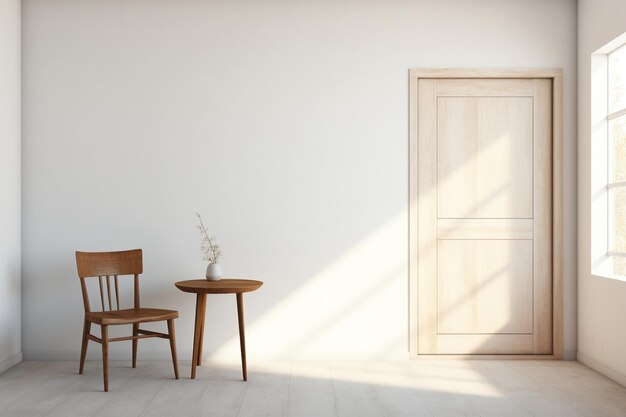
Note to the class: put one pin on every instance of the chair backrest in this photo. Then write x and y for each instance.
(109, 264)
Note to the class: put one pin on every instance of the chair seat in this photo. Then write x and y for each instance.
(131, 316)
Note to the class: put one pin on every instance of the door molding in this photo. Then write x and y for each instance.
(556, 76)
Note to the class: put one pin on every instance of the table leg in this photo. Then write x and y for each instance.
(199, 323)
(201, 341)
(242, 337)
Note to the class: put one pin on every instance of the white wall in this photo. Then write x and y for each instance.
(10, 197)
(285, 123)
(601, 301)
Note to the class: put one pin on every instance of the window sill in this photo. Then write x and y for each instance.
(600, 274)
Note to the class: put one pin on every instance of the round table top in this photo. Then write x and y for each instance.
(223, 286)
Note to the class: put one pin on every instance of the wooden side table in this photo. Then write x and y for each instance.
(202, 287)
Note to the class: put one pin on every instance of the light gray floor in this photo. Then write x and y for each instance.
(407, 388)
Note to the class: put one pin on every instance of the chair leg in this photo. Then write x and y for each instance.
(105, 356)
(83, 348)
(135, 341)
(170, 329)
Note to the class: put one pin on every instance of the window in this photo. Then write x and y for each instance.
(616, 120)
(608, 153)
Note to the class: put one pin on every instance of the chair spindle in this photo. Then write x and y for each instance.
(101, 293)
(109, 292)
(117, 293)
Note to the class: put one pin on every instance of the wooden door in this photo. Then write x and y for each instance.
(484, 216)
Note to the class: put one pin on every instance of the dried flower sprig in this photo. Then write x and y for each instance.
(211, 252)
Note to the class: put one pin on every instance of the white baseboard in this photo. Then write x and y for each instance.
(602, 368)
(10, 362)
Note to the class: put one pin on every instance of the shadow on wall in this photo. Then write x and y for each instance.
(355, 300)
(342, 311)
(354, 306)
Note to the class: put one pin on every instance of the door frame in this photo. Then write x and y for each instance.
(556, 75)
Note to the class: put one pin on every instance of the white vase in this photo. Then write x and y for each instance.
(214, 272)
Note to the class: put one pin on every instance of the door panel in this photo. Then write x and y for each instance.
(484, 216)
(485, 158)
(485, 286)
(505, 344)
(481, 87)
(485, 228)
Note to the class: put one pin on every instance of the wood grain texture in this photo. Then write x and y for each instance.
(485, 171)
(516, 87)
(484, 228)
(107, 264)
(172, 337)
(223, 286)
(510, 73)
(85, 342)
(93, 264)
(557, 213)
(130, 316)
(101, 293)
(242, 336)
(117, 293)
(108, 281)
(485, 156)
(202, 287)
(198, 324)
(521, 80)
(135, 344)
(413, 218)
(427, 216)
(201, 339)
(542, 218)
(105, 355)
(485, 287)
(478, 344)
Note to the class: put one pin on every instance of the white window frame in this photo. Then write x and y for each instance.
(602, 257)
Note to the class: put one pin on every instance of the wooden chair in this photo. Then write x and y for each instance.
(114, 264)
